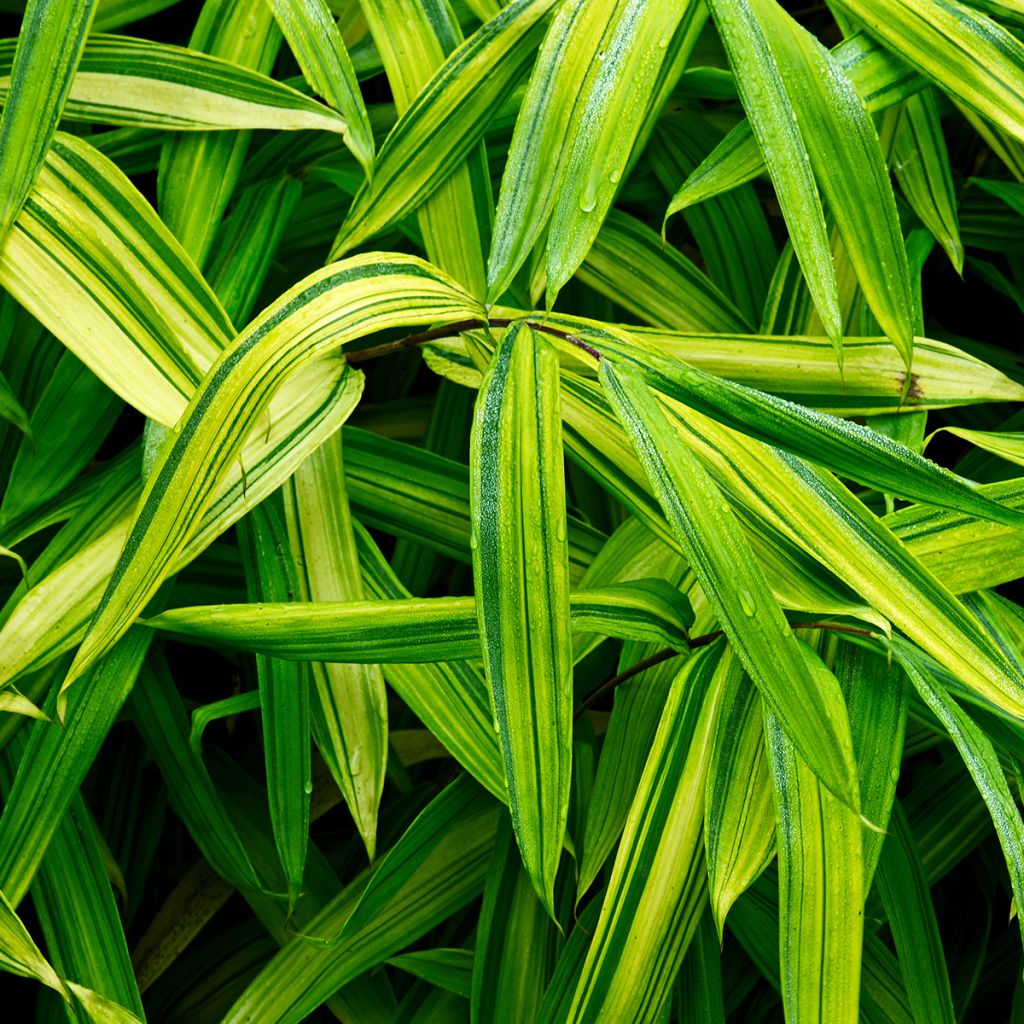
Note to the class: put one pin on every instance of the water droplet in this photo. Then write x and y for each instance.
(307, 786)
(494, 722)
(474, 540)
(600, 55)
(588, 200)
(614, 177)
(663, 42)
(747, 603)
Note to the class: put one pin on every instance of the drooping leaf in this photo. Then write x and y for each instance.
(811, 709)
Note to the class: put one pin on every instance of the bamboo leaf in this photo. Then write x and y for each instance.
(739, 819)
(735, 587)
(521, 575)
(962, 51)
(980, 758)
(351, 714)
(607, 116)
(321, 312)
(414, 630)
(45, 60)
(819, 513)
(783, 143)
(128, 81)
(314, 38)
(820, 889)
(445, 121)
(284, 698)
(657, 890)
(69, 580)
(909, 908)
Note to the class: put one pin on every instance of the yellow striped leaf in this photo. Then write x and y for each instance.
(521, 575)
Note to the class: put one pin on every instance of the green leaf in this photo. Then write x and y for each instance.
(521, 575)
(438, 866)
(45, 60)
(350, 721)
(284, 697)
(923, 170)
(129, 81)
(979, 756)
(445, 121)
(657, 889)
(516, 941)
(94, 264)
(811, 708)
(414, 39)
(607, 116)
(10, 407)
(821, 892)
(52, 616)
(57, 760)
(748, 40)
(911, 914)
(314, 38)
(739, 819)
(450, 969)
(630, 265)
(321, 312)
(877, 700)
(419, 629)
(408, 492)
(198, 171)
(963, 52)
(814, 509)
(838, 444)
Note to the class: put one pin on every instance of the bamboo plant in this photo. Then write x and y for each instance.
(511, 511)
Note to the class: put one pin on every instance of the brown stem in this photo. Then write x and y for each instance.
(667, 653)
(450, 330)
(411, 340)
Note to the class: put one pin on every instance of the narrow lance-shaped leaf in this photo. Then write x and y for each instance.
(981, 760)
(92, 261)
(446, 120)
(521, 575)
(962, 51)
(739, 820)
(424, 629)
(809, 705)
(49, 48)
(908, 906)
(658, 885)
(820, 514)
(923, 171)
(128, 81)
(839, 444)
(350, 720)
(314, 38)
(536, 158)
(69, 580)
(769, 109)
(850, 169)
(284, 698)
(414, 39)
(609, 115)
(198, 171)
(821, 889)
(332, 306)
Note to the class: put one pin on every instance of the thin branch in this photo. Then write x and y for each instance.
(451, 330)
(668, 653)
(412, 340)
